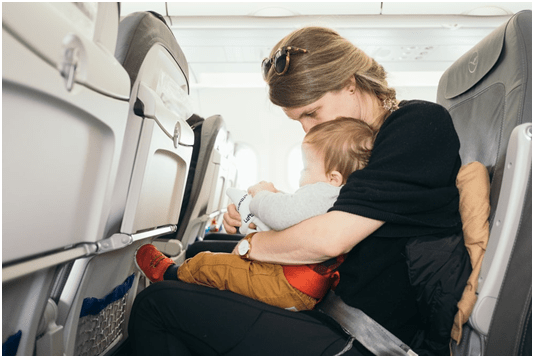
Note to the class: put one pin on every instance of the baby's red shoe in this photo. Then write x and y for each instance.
(152, 262)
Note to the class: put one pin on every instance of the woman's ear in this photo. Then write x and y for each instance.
(351, 85)
(335, 178)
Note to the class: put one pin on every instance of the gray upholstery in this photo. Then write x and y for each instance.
(488, 93)
(479, 88)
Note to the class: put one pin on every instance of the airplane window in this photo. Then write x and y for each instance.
(294, 167)
(247, 165)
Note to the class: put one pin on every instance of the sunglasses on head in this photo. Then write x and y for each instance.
(280, 60)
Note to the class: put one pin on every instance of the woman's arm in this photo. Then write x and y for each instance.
(314, 240)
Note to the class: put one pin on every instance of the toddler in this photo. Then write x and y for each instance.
(331, 152)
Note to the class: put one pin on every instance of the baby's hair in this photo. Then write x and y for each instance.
(344, 142)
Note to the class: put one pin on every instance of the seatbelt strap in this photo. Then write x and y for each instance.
(363, 328)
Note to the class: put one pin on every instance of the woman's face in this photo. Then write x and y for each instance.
(343, 103)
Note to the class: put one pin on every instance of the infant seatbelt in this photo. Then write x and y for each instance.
(363, 328)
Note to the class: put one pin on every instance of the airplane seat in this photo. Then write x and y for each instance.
(209, 179)
(160, 107)
(195, 122)
(488, 92)
(155, 159)
(215, 242)
(167, 243)
(64, 108)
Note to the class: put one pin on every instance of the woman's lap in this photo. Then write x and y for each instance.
(173, 317)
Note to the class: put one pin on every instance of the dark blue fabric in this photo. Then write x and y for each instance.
(216, 322)
(171, 273)
(11, 345)
(93, 306)
(438, 270)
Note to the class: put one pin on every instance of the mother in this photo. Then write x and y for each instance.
(405, 198)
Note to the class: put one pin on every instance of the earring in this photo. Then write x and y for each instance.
(390, 104)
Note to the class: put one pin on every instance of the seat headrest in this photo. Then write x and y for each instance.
(138, 32)
(469, 69)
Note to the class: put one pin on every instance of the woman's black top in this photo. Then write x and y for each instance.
(410, 184)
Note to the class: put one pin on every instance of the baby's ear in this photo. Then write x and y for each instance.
(335, 178)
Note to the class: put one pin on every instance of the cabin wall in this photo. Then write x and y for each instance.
(251, 119)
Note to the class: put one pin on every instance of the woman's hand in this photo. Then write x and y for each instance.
(262, 185)
(231, 219)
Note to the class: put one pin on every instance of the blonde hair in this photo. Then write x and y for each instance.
(330, 63)
(345, 144)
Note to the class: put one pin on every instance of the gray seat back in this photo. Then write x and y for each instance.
(154, 163)
(212, 175)
(65, 102)
(488, 93)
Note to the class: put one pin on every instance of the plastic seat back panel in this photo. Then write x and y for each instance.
(155, 63)
(65, 103)
(88, 28)
(161, 163)
(23, 301)
(95, 316)
(60, 150)
(207, 183)
(156, 154)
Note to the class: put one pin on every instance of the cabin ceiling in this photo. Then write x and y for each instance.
(279, 9)
(224, 43)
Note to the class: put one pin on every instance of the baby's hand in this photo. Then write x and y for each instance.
(262, 185)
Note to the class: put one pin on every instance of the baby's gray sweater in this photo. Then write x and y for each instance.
(280, 210)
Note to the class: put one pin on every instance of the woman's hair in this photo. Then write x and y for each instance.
(345, 144)
(328, 66)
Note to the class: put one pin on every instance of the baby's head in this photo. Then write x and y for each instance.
(332, 150)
